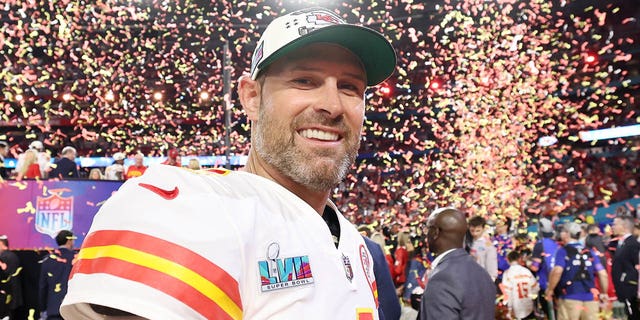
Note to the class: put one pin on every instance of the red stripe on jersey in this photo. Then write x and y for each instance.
(157, 280)
(160, 248)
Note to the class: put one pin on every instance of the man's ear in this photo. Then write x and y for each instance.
(436, 233)
(249, 94)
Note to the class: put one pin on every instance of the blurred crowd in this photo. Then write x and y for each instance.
(521, 263)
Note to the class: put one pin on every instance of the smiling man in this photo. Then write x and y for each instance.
(266, 243)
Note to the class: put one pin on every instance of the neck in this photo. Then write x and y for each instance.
(316, 199)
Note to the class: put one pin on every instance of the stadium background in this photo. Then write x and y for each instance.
(484, 111)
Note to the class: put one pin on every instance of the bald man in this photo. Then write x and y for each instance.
(457, 287)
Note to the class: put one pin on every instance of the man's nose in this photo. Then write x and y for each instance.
(331, 100)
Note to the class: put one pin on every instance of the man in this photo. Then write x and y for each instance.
(10, 284)
(482, 249)
(623, 270)
(457, 286)
(595, 242)
(54, 275)
(542, 261)
(65, 167)
(137, 168)
(519, 287)
(572, 278)
(173, 158)
(503, 243)
(116, 170)
(262, 244)
(4, 152)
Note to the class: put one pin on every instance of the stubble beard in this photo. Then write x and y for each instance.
(318, 170)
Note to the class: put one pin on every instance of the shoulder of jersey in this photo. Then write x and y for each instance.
(218, 180)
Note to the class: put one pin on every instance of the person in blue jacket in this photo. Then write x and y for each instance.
(54, 275)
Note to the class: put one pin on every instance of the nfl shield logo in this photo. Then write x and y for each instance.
(348, 271)
(53, 214)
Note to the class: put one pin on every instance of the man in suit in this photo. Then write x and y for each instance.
(4, 152)
(54, 275)
(65, 167)
(457, 287)
(10, 284)
(623, 271)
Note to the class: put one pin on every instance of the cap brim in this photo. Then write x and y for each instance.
(375, 52)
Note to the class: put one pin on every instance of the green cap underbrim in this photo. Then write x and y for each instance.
(375, 52)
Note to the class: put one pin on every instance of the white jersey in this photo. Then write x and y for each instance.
(520, 290)
(114, 172)
(181, 244)
(486, 255)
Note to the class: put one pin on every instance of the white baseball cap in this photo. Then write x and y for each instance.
(36, 145)
(300, 28)
(546, 225)
(118, 156)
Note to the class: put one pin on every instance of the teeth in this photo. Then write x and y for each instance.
(320, 135)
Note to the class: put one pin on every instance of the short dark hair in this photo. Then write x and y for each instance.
(513, 255)
(63, 236)
(477, 221)
(592, 227)
(627, 221)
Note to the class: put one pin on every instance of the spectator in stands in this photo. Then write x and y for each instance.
(4, 152)
(595, 242)
(624, 267)
(194, 164)
(65, 167)
(43, 158)
(542, 261)
(414, 287)
(96, 174)
(30, 168)
(54, 275)
(10, 284)
(572, 278)
(401, 258)
(379, 238)
(173, 158)
(116, 170)
(520, 288)
(482, 249)
(503, 243)
(365, 231)
(137, 168)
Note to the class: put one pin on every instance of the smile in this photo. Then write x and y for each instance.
(319, 135)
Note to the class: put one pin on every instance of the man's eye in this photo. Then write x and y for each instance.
(352, 88)
(304, 81)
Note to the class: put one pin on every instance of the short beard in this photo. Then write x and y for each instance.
(304, 168)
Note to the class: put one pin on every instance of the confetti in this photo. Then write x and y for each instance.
(478, 83)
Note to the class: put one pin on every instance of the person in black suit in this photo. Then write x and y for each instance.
(65, 167)
(623, 270)
(389, 308)
(457, 286)
(10, 284)
(4, 151)
(54, 275)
